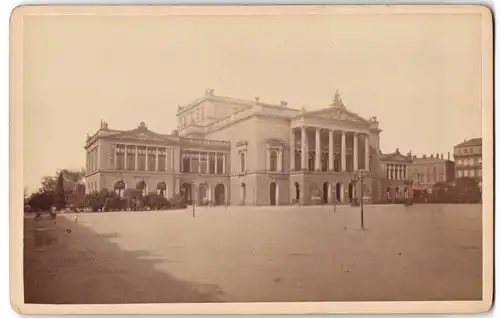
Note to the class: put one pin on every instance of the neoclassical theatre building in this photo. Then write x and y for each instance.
(244, 152)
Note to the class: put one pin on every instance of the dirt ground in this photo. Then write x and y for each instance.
(421, 252)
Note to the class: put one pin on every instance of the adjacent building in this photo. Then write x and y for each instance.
(234, 151)
(428, 170)
(405, 173)
(468, 159)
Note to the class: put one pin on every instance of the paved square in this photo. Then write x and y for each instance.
(421, 252)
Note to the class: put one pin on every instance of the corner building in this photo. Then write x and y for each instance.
(243, 152)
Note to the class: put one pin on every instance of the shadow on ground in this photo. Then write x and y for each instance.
(66, 263)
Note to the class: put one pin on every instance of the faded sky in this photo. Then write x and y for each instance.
(419, 74)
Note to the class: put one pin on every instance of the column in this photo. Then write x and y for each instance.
(304, 150)
(292, 150)
(355, 151)
(125, 158)
(280, 159)
(147, 155)
(208, 162)
(216, 163)
(156, 160)
(209, 193)
(224, 164)
(167, 153)
(136, 152)
(317, 161)
(268, 159)
(367, 153)
(330, 150)
(343, 156)
(172, 158)
(199, 162)
(115, 160)
(98, 156)
(390, 171)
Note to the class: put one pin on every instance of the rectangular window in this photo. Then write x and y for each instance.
(151, 159)
(141, 158)
(120, 157)
(130, 158)
(211, 164)
(161, 160)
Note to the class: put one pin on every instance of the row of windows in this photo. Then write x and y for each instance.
(467, 150)
(428, 176)
(203, 162)
(195, 115)
(469, 173)
(92, 160)
(469, 161)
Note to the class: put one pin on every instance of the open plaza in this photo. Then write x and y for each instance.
(240, 254)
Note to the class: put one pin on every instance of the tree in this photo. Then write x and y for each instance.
(466, 189)
(59, 193)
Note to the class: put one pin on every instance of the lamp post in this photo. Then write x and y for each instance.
(193, 198)
(360, 176)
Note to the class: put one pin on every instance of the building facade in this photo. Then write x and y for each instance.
(469, 159)
(242, 152)
(396, 169)
(428, 170)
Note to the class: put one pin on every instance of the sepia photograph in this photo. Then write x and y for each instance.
(243, 157)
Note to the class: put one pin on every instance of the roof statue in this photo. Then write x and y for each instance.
(179, 107)
(142, 125)
(104, 125)
(337, 100)
(209, 92)
(257, 98)
(284, 103)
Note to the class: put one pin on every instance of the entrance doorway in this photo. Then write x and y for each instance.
(351, 191)
(220, 195)
(272, 193)
(243, 193)
(186, 192)
(297, 192)
(203, 194)
(338, 192)
(325, 192)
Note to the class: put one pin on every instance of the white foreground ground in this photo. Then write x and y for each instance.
(421, 252)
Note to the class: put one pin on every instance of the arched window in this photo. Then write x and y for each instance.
(273, 160)
(242, 162)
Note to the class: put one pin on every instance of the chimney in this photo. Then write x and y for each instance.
(432, 155)
(424, 156)
(414, 156)
(448, 155)
(441, 156)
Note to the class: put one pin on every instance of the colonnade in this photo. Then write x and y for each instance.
(343, 153)
(396, 171)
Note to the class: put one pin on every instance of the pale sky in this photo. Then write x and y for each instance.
(419, 74)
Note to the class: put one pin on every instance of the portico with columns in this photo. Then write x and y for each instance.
(327, 147)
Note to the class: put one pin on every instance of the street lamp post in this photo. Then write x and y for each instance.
(193, 199)
(360, 176)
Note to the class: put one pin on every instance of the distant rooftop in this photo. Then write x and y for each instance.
(471, 142)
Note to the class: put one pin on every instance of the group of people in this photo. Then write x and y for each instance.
(52, 213)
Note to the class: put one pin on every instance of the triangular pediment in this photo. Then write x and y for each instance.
(395, 156)
(338, 113)
(143, 133)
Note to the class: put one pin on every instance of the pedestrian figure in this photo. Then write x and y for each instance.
(53, 214)
(334, 201)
